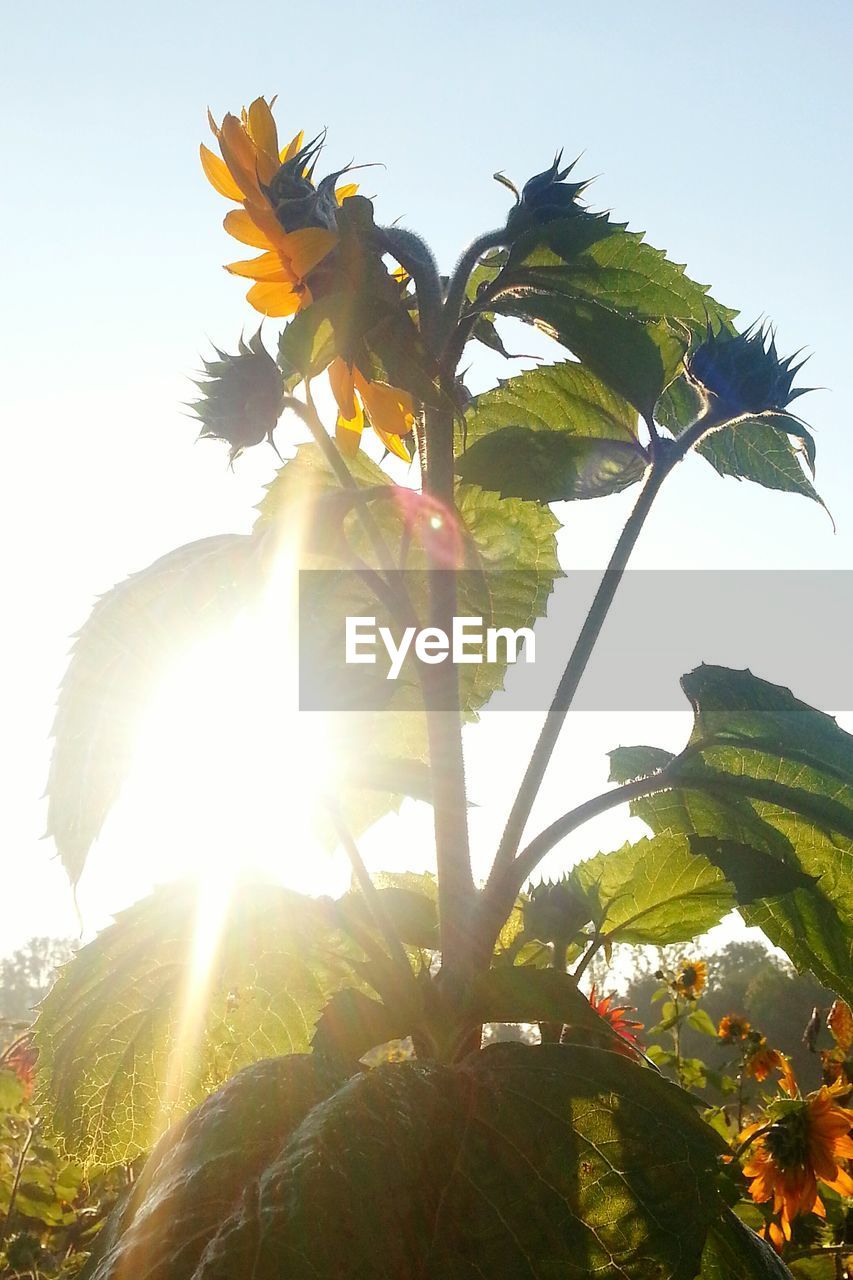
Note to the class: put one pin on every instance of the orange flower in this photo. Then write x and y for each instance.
(763, 1060)
(732, 1028)
(250, 162)
(692, 979)
(615, 1015)
(390, 410)
(805, 1144)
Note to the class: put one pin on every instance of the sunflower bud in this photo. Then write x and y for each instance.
(242, 397)
(546, 196)
(296, 201)
(743, 372)
(556, 912)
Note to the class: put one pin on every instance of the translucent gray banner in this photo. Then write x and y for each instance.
(790, 627)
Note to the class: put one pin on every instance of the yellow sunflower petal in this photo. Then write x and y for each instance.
(342, 385)
(307, 247)
(347, 440)
(240, 155)
(275, 300)
(242, 226)
(214, 127)
(267, 266)
(262, 128)
(343, 193)
(292, 147)
(216, 172)
(394, 444)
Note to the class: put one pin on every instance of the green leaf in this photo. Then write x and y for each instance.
(757, 449)
(628, 763)
(351, 1024)
(173, 999)
(656, 891)
(621, 306)
(765, 772)
(551, 434)
(550, 466)
(200, 1169)
(11, 1090)
(700, 1021)
(132, 635)
(734, 1252)
(636, 358)
(753, 873)
(520, 1161)
(521, 993)
(591, 257)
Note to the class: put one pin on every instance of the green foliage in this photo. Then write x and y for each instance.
(584, 441)
(137, 1030)
(118, 656)
(654, 891)
(762, 771)
(434, 1161)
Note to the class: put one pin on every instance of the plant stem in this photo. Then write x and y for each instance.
(16, 1182)
(415, 256)
(374, 903)
(576, 667)
(456, 890)
(461, 275)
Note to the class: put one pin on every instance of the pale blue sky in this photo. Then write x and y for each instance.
(724, 131)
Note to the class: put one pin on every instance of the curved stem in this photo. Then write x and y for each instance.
(503, 887)
(576, 667)
(415, 256)
(461, 275)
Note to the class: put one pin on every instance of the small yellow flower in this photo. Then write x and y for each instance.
(733, 1028)
(692, 979)
(805, 1144)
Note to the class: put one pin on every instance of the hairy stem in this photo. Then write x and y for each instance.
(415, 256)
(456, 889)
(462, 273)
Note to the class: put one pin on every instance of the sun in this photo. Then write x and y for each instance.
(228, 774)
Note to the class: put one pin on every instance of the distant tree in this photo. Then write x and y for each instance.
(26, 976)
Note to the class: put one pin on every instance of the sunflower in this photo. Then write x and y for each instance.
(732, 1028)
(806, 1142)
(692, 979)
(251, 165)
(390, 410)
(762, 1060)
(615, 1015)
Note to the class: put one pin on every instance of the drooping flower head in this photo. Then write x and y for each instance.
(733, 1028)
(257, 175)
(242, 396)
(616, 1015)
(691, 979)
(762, 1060)
(743, 371)
(806, 1144)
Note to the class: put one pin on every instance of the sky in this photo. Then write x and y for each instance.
(722, 130)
